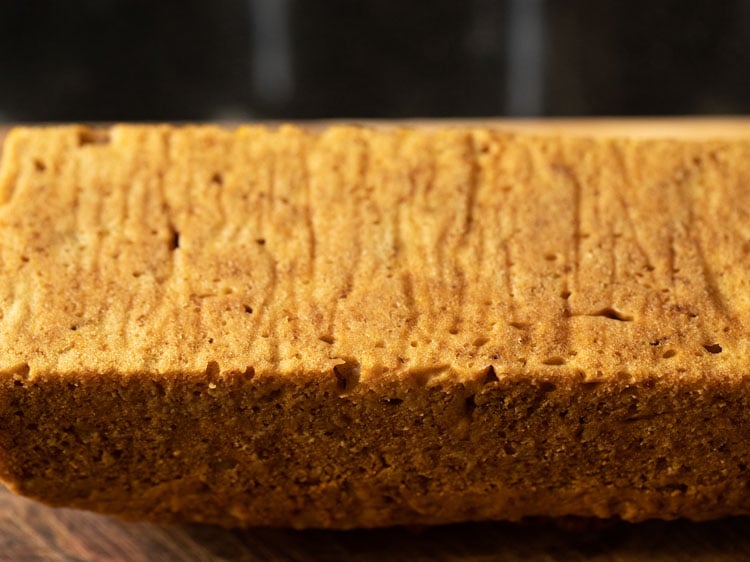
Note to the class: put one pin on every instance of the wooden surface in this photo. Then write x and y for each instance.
(32, 532)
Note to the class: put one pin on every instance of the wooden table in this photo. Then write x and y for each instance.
(32, 532)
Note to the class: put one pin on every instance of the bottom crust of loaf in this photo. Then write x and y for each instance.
(244, 450)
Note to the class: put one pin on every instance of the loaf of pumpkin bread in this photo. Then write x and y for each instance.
(363, 327)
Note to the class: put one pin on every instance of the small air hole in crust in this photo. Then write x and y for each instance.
(555, 361)
(613, 314)
(327, 338)
(20, 373)
(94, 136)
(669, 354)
(217, 179)
(39, 166)
(347, 375)
(713, 348)
(247, 308)
(547, 386)
(490, 376)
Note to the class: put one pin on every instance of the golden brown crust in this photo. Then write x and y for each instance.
(361, 327)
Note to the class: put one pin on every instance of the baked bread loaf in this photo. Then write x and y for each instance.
(361, 327)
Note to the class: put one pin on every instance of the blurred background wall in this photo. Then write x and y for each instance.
(286, 59)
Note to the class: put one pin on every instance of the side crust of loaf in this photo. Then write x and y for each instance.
(360, 328)
(236, 451)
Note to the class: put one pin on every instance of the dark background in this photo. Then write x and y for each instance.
(284, 59)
